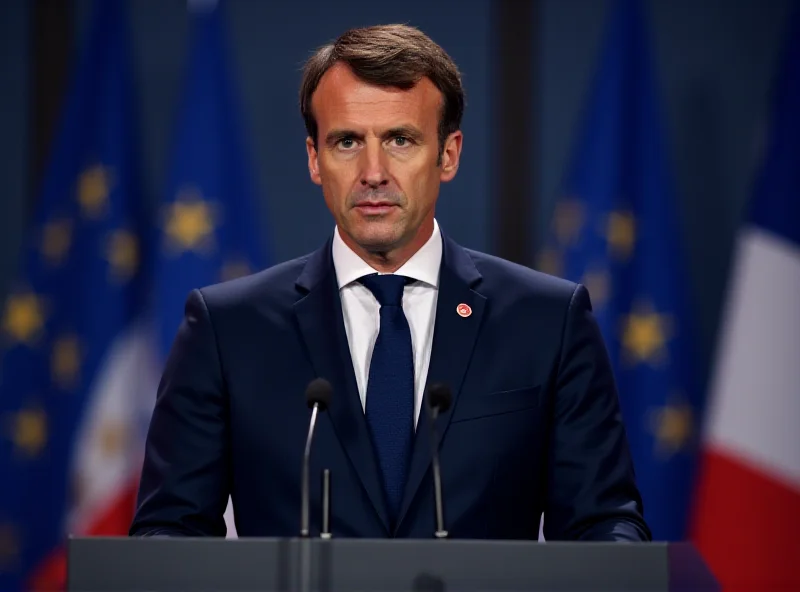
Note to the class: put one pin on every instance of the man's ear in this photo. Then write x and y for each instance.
(451, 156)
(313, 161)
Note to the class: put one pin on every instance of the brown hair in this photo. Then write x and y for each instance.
(388, 55)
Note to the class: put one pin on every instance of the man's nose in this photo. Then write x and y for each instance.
(373, 167)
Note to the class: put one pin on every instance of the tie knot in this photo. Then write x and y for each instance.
(387, 289)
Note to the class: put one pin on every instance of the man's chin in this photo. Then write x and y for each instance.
(379, 245)
(375, 240)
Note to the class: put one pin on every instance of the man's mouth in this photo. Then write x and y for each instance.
(375, 207)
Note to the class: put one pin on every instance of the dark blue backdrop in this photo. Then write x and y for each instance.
(715, 62)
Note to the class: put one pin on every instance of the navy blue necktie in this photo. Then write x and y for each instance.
(390, 387)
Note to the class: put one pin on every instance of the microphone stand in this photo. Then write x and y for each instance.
(440, 533)
(304, 516)
(325, 531)
(305, 543)
(318, 395)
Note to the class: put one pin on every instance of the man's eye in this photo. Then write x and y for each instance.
(346, 143)
(401, 141)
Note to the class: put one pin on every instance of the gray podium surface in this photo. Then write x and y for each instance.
(288, 565)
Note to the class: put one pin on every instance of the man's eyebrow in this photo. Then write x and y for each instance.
(408, 131)
(336, 135)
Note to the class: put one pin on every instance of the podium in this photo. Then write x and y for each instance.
(302, 565)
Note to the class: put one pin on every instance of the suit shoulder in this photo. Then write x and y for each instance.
(271, 284)
(508, 277)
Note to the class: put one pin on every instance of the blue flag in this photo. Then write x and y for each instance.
(776, 203)
(208, 222)
(615, 230)
(78, 288)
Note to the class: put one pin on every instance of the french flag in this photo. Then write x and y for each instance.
(747, 518)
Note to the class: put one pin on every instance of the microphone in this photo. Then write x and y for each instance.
(318, 397)
(439, 398)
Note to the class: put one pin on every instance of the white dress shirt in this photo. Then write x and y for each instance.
(361, 309)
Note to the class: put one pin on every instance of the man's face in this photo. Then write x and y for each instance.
(376, 160)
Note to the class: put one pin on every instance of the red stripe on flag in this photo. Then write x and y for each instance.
(747, 526)
(115, 520)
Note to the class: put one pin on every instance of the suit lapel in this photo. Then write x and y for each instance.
(454, 339)
(319, 315)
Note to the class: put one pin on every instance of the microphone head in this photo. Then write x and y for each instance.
(319, 392)
(439, 397)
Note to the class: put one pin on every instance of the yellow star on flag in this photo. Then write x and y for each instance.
(620, 233)
(234, 269)
(28, 431)
(123, 254)
(94, 187)
(645, 333)
(56, 240)
(9, 546)
(113, 438)
(568, 220)
(66, 361)
(190, 224)
(24, 317)
(673, 428)
(598, 283)
(550, 262)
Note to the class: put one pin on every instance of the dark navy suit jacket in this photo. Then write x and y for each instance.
(534, 426)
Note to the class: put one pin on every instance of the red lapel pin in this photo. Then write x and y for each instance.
(463, 310)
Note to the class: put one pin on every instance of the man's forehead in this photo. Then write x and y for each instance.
(340, 90)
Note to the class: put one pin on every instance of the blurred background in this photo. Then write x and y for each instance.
(649, 149)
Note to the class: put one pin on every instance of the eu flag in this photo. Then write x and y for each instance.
(77, 289)
(615, 230)
(208, 222)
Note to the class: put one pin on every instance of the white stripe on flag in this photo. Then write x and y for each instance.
(755, 403)
(108, 448)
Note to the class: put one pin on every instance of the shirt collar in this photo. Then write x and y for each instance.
(423, 266)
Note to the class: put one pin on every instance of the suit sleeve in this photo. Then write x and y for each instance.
(592, 492)
(184, 483)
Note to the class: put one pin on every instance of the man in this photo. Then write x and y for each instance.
(388, 305)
